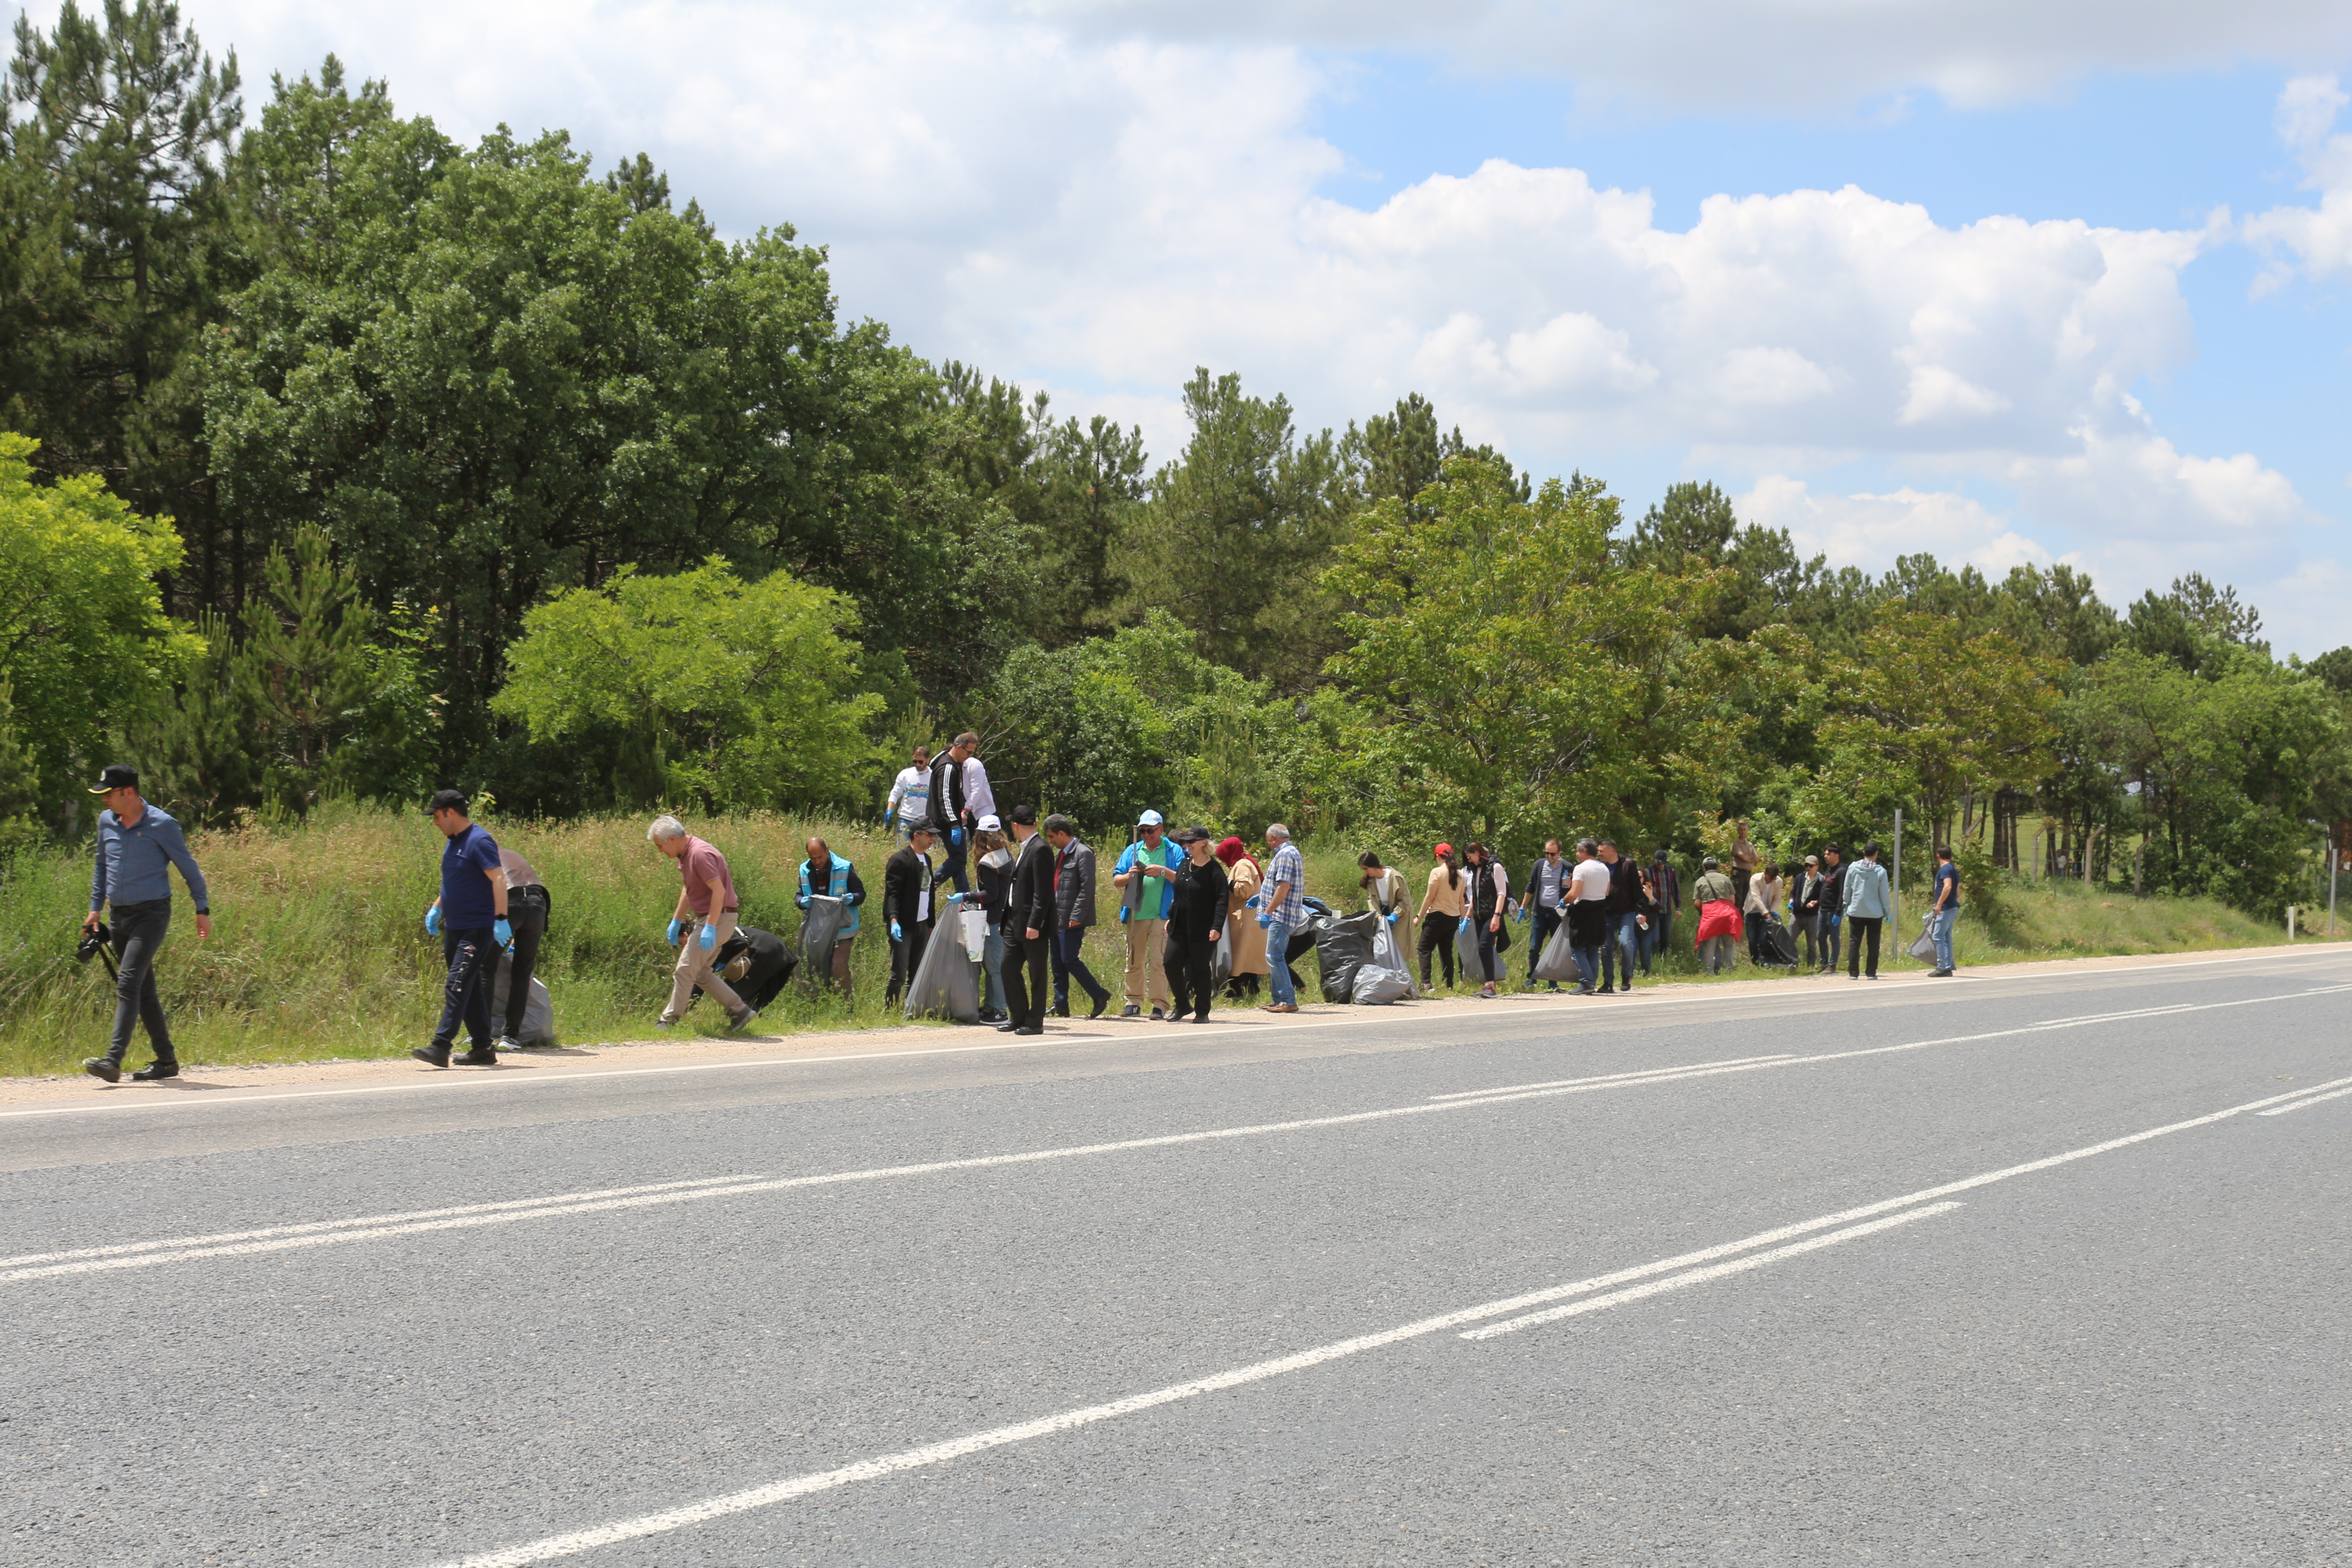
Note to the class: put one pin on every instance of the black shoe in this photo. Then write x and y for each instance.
(1030, 1029)
(102, 1066)
(1061, 1009)
(1158, 1014)
(1101, 1003)
(153, 1071)
(991, 1015)
(432, 1055)
(1174, 1018)
(1008, 1028)
(479, 1057)
(1200, 1017)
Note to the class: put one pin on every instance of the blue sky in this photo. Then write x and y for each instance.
(2003, 280)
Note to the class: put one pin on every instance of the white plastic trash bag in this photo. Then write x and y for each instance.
(1221, 962)
(537, 1013)
(1925, 948)
(1557, 960)
(1388, 954)
(946, 983)
(973, 925)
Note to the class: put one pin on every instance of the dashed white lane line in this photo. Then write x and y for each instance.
(2299, 1104)
(1914, 1205)
(329, 1233)
(433, 1084)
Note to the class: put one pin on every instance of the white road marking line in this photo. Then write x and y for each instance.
(1701, 1275)
(562, 1207)
(2299, 1104)
(574, 1542)
(1607, 1078)
(435, 1085)
(325, 1224)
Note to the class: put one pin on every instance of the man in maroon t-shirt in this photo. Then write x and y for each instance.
(709, 897)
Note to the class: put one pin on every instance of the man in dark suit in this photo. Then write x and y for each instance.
(909, 907)
(1831, 899)
(1028, 920)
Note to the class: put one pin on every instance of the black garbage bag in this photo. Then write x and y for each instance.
(756, 965)
(1776, 948)
(1302, 938)
(1341, 948)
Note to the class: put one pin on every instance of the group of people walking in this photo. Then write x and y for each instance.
(1200, 916)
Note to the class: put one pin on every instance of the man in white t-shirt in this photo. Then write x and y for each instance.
(911, 795)
(1588, 914)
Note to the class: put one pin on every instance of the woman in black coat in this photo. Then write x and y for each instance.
(1196, 919)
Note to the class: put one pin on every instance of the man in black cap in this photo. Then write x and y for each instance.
(137, 846)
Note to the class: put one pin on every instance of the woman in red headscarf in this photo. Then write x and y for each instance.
(1240, 924)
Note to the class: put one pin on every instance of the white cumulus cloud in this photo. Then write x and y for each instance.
(2317, 238)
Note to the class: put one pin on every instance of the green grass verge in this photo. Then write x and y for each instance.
(318, 948)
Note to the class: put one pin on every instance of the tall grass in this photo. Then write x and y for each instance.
(319, 948)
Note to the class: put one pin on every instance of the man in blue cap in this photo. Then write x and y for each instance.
(1145, 877)
(137, 846)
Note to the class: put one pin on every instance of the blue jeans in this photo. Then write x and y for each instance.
(1942, 927)
(1831, 924)
(1278, 950)
(1588, 965)
(1629, 940)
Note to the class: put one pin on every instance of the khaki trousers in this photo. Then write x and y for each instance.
(1147, 976)
(694, 969)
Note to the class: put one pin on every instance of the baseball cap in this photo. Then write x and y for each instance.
(1149, 819)
(1194, 836)
(990, 825)
(115, 775)
(1444, 849)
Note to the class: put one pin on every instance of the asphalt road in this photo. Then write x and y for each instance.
(2041, 1268)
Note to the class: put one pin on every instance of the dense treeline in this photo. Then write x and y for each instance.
(353, 459)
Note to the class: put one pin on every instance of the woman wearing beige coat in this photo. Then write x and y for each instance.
(1240, 924)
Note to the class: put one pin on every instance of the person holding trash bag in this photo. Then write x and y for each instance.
(1487, 900)
(1588, 917)
(908, 907)
(1281, 912)
(1201, 898)
(826, 874)
(137, 846)
(1243, 934)
(470, 919)
(707, 896)
(993, 869)
(1946, 910)
(1073, 911)
(1717, 897)
(1547, 889)
(527, 910)
(1028, 920)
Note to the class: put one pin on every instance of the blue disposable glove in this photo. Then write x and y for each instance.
(503, 933)
(677, 930)
(954, 899)
(433, 921)
(955, 837)
(1392, 915)
(896, 934)
(1253, 901)
(1523, 916)
(709, 937)
(1465, 923)
(1265, 922)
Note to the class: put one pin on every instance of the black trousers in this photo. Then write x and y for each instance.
(527, 918)
(1859, 930)
(138, 932)
(905, 957)
(1024, 977)
(1437, 936)
(466, 996)
(1188, 960)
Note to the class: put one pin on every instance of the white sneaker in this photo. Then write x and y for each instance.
(506, 1042)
